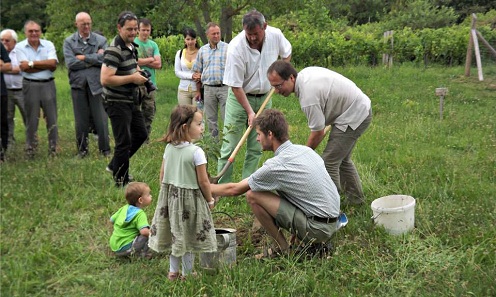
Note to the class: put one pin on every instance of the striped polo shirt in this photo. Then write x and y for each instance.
(125, 60)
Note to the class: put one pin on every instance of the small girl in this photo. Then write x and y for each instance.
(182, 220)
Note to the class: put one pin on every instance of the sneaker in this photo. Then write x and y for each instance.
(109, 170)
(106, 154)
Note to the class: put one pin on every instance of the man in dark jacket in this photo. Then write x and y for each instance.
(83, 53)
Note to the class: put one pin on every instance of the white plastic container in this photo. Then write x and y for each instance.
(396, 213)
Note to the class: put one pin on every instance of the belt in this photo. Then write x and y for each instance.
(15, 90)
(216, 86)
(323, 220)
(39, 80)
(256, 95)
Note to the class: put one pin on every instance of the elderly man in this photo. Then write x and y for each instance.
(37, 61)
(83, 53)
(328, 98)
(13, 81)
(211, 63)
(291, 191)
(249, 55)
(121, 80)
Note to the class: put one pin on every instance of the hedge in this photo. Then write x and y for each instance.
(362, 45)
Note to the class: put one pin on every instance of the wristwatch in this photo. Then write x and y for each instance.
(31, 64)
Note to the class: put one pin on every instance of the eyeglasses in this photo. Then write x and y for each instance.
(127, 17)
(279, 86)
(34, 31)
(5, 40)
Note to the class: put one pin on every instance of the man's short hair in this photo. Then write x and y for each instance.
(210, 25)
(126, 16)
(13, 33)
(144, 21)
(29, 22)
(252, 19)
(283, 68)
(272, 120)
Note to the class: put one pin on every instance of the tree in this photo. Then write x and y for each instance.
(419, 14)
(16, 13)
(63, 12)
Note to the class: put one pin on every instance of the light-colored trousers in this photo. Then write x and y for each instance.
(215, 99)
(337, 159)
(237, 119)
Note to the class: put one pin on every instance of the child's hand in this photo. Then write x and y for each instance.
(211, 204)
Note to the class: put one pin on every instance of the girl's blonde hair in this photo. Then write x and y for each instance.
(181, 114)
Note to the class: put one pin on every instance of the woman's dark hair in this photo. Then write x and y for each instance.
(191, 33)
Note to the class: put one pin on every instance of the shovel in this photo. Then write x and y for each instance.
(215, 179)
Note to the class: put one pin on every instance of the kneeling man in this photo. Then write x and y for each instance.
(292, 190)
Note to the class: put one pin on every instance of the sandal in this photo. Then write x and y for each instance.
(173, 276)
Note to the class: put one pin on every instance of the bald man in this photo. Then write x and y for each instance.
(83, 52)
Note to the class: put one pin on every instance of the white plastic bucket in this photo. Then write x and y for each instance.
(396, 213)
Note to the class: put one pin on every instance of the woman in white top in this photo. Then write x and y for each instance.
(183, 67)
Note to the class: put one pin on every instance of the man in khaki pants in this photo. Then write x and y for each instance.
(328, 98)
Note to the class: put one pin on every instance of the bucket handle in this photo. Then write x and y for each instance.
(225, 213)
(226, 241)
(375, 217)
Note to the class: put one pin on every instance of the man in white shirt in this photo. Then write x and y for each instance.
(38, 60)
(328, 98)
(249, 55)
(13, 80)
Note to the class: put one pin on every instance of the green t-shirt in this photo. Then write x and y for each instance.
(128, 221)
(146, 50)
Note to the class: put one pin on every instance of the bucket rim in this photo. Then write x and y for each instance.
(232, 230)
(402, 208)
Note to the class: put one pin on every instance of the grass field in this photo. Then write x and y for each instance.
(55, 211)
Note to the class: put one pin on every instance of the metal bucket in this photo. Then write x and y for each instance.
(226, 251)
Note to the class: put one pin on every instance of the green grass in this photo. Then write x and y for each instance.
(54, 211)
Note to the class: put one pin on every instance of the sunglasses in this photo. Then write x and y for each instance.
(127, 17)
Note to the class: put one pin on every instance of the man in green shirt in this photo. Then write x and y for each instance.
(148, 59)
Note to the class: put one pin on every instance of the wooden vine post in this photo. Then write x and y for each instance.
(387, 59)
(473, 45)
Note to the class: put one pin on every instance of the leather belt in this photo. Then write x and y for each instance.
(39, 80)
(323, 220)
(15, 90)
(256, 95)
(216, 86)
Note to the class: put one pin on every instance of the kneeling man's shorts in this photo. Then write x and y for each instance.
(291, 218)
